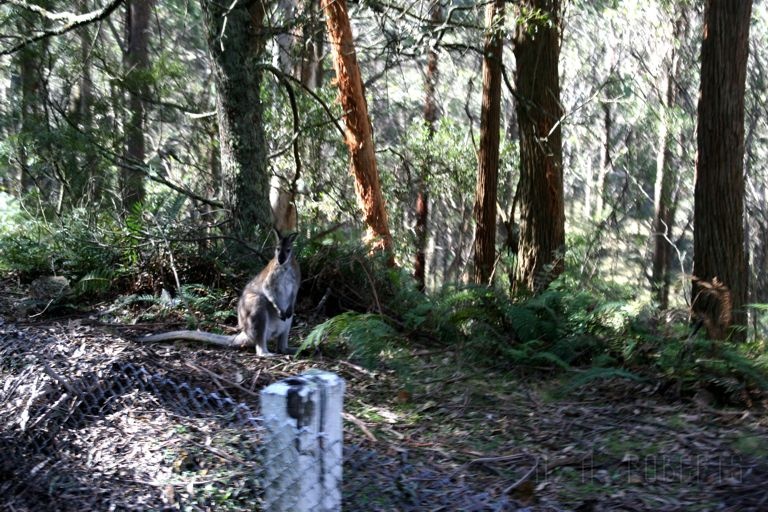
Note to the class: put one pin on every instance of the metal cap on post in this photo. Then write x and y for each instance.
(303, 443)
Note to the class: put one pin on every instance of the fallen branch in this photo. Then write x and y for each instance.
(359, 424)
(522, 479)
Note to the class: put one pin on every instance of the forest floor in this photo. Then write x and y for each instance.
(442, 437)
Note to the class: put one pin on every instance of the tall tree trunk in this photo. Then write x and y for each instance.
(30, 117)
(605, 166)
(136, 61)
(359, 133)
(312, 43)
(662, 217)
(430, 118)
(236, 40)
(665, 204)
(86, 182)
(662, 196)
(34, 150)
(488, 153)
(760, 253)
(286, 41)
(542, 211)
(282, 196)
(718, 248)
(30, 96)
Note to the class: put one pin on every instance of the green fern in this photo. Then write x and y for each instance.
(524, 321)
(548, 359)
(95, 282)
(366, 336)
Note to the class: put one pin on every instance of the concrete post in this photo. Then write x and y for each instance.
(303, 443)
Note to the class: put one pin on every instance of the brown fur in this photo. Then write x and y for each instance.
(265, 309)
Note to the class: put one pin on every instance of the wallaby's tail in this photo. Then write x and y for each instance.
(206, 337)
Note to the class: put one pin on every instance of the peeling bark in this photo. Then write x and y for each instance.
(358, 133)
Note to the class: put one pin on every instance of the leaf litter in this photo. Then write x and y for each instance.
(444, 438)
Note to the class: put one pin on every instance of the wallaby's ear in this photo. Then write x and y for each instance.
(277, 234)
(292, 237)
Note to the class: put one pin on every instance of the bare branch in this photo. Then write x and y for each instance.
(309, 91)
(71, 21)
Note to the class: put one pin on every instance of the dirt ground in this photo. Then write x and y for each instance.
(442, 437)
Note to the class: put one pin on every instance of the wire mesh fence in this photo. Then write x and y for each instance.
(89, 433)
(89, 421)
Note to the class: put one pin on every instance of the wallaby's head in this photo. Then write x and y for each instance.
(284, 248)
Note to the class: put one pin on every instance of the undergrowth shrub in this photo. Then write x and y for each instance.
(340, 274)
(198, 306)
(586, 331)
(101, 253)
(76, 245)
(365, 337)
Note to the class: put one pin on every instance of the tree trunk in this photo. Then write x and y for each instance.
(300, 55)
(236, 40)
(718, 253)
(607, 161)
(30, 118)
(662, 218)
(542, 213)
(312, 43)
(286, 42)
(282, 197)
(86, 181)
(359, 134)
(430, 118)
(760, 254)
(488, 153)
(136, 61)
(662, 195)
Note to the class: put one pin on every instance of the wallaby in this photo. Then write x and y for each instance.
(265, 309)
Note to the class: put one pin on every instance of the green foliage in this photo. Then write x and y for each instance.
(76, 244)
(723, 368)
(100, 253)
(365, 337)
(340, 273)
(592, 332)
(201, 307)
(96, 282)
(492, 329)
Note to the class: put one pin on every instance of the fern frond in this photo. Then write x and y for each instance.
(97, 281)
(367, 337)
(524, 321)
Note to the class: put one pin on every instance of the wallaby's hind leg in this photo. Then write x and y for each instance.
(282, 340)
(241, 340)
(260, 334)
(256, 329)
